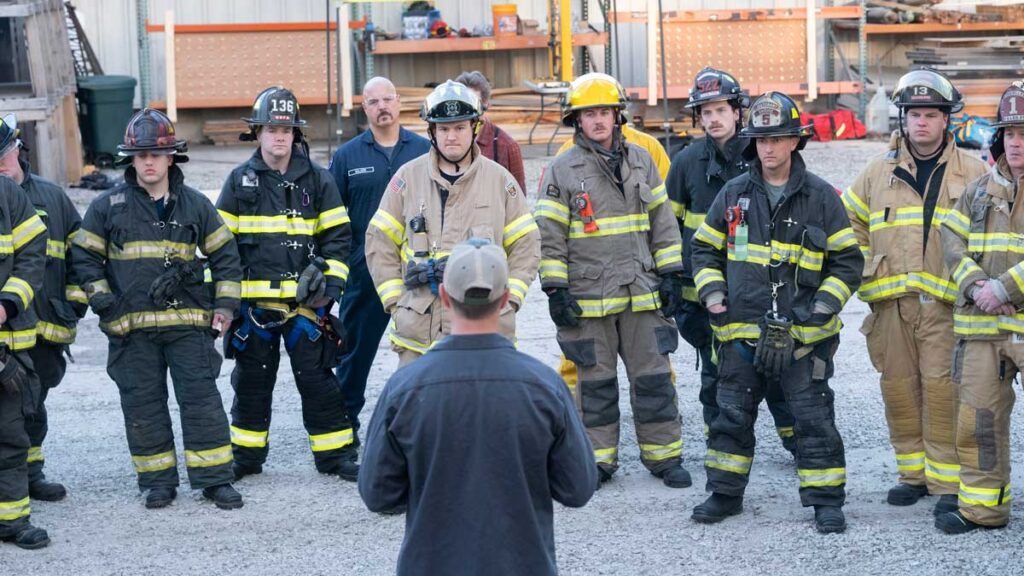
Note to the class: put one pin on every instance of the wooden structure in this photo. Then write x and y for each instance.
(46, 105)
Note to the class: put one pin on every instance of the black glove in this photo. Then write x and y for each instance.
(417, 274)
(671, 293)
(102, 302)
(565, 311)
(439, 266)
(13, 376)
(179, 272)
(774, 351)
(312, 282)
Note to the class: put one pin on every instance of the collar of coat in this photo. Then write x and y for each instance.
(797, 175)
(467, 175)
(298, 166)
(899, 156)
(717, 159)
(1003, 181)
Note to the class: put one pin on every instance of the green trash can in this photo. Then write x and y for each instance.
(104, 107)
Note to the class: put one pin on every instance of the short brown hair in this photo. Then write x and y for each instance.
(477, 81)
(478, 311)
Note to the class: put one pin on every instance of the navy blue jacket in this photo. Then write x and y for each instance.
(362, 171)
(476, 439)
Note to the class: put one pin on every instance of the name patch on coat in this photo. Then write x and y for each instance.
(250, 180)
(116, 199)
(363, 170)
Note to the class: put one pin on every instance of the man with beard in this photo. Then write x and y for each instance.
(362, 168)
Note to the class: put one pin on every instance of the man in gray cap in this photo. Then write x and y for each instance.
(475, 439)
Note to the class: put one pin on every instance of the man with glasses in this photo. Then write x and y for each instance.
(362, 168)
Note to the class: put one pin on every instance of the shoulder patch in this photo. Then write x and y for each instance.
(510, 187)
(116, 199)
(553, 191)
(397, 185)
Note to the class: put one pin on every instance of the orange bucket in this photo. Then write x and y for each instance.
(505, 20)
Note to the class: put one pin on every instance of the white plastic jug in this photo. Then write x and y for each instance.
(877, 121)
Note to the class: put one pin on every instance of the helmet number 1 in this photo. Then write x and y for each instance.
(1013, 106)
(282, 106)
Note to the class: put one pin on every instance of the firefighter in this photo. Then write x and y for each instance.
(23, 243)
(135, 257)
(698, 172)
(58, 304)
(611, 259)
(448, 195)
(294, 239)
(774, 262)
(895, 207)
(980, 238)
(362, 169)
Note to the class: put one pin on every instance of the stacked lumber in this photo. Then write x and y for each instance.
(981, 67)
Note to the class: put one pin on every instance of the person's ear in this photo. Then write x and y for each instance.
(445, 301)
(506, 298)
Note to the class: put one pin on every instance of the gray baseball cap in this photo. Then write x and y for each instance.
(476, 264)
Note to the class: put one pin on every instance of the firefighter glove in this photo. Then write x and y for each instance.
(13, 376)
(102, 302)
(312, 282)
(564, 309)
(774, 351)
(671, 293)
(178, 272)
(417, 274)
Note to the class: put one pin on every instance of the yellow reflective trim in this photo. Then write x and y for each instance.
(55, 333)
(155, 462)
(517, 229)
(35, 454)
(785, 431)
(904, 216)
(855, 205)
(735, 463)
(552, 210)
(337, 268)
(605, 455)
(886, 287)
(965, 269)
(230, 220)
(678, 209)
(942, 472)
(279, 224)
(984, 496)
(55, 249)
(659, 452)
(18, 339)
(708, 235)
(690, 293)
(207, 458)
(693, 220)
(841, 240)
(837, 288)
(331, 218)
(958, 223)
(912, 462)
(932, 285)
(157, 319)
(551, 268)
(659, 197)
(15, 509)
(518, 288)
(390, 289)
(612, 226)
(6, 244)
(812, 334)
(1015, 273)
(811, 478)
(253, 289)
(27, 231)
(667, 256)
(227, 289)
(706, 276)
(156, 249)
(408, 344)
(736, 331)
(1008, 242)
(248, 438)
(389, 225)
(330, 440)
(217, 239)
(91, 242)
(23, 290)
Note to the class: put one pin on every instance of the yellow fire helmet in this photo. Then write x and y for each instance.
(594, 90)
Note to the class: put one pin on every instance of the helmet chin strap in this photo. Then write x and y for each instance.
(910, 144)
(433, 142)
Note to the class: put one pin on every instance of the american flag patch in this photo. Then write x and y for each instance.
(397, 185)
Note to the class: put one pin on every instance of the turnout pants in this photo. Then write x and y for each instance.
(643, 340)
(50, 365)
(820, 459)
(984, 371)
(695, 327)
(365, 322)
(139, 364)
(911, 344)
(14, 443)
(323, 406)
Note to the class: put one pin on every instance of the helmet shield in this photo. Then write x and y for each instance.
(927, 88)
(450, 102)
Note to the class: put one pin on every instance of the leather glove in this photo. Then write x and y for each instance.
(671, 293)
(102, 302)
(312, 282)
(439, 266)
(565, 311)
(417, 275)
(774, 351)
(164, 286)
(13, 376)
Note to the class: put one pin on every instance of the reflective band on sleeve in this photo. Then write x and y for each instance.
(35, 454)
(74, 293)
(855, 205)
(669, 256)
(217, 239)
(812, 334)
(912, 462)
(836, 287)
(331, 218)
(734, 463)
(518, 288)
(26, 231)
(1007, 242)
(337, 268)
(18, 339)
(841, 240)
(659, 194)
(391, 289)
(709, 235)
(942, 472)
(784, 431)
(965, 269)
(389, 225)
(18, 287)
(55, 249)
(551, 210)
(706, 276)
(330, 440)
(678, 209)
(248, 438)
(658, 452)
(55, 333)
(230, 220)
(958, 223)
(227, 289)
(973, 496)
(819, 478)
(155, 463)
(14, 510)
(606, 456)
(517, 229)
(91, 242)
(554, 269)
(693, 220)
(207, 458)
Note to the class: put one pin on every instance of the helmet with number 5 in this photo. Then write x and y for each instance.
(275, 106)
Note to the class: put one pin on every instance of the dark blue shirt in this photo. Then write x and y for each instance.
(476, 439)
(362, 169)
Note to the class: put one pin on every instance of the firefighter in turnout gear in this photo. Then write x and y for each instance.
(774, 261)
(434, 202)
(698, 172)
(896, 206)
(294, 239)
(981, 243)
(58, 303)
(135, 257)
(23, 244)
(612, 258)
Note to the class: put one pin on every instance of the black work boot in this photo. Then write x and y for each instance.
(955, 523)
(675, 477)
(46, 491)
(906, 494)
(947, 503)
(160, 497)
(345, 468)
(28, 537)
(789, 443)
(829, 519)
(224, 496)
(602, 476)
(716, 508)
(242, 470)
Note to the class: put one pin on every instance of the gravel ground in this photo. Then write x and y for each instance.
(296, 521)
